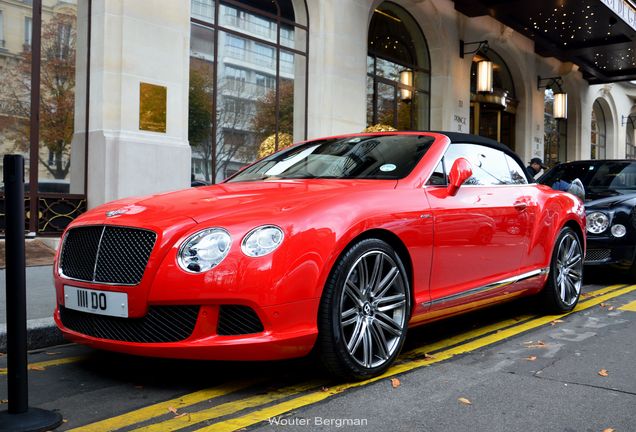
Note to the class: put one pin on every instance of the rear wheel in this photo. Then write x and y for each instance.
(364, 311)
(563, 288)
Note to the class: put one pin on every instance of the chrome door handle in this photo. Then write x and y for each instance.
(520, 205)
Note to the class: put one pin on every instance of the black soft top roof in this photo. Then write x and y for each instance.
(458, 137)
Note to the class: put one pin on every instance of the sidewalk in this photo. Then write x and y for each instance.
(40, 294)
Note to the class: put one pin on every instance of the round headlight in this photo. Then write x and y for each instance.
(262, 240)
(204, 250)
(597, 222)
(619, 230)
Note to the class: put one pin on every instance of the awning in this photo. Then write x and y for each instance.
(597, 35)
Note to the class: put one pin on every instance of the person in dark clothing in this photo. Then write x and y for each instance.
(536, 165)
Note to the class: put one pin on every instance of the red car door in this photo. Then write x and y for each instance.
(481, 234)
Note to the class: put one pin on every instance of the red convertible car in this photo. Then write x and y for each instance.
(338, 244)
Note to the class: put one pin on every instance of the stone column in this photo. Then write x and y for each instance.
(134, 42)
(337, 66)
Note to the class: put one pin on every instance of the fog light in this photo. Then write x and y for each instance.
(618, 230)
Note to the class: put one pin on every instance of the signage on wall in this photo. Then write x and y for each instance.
(460, 122)
(152, 107)
(538, 143)
(624, 10)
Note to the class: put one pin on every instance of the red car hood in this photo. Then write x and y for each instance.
(263, 198)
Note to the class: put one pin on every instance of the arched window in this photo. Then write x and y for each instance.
(398, 71)
(492, 115)
(630, 142)
(598, 132)
(248, 77)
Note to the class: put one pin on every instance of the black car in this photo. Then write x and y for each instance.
(610, 204)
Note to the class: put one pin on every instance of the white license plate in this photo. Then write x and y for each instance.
(96, 302)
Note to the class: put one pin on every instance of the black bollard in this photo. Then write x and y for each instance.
(19, 417)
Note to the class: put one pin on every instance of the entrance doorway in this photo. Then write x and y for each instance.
(490, 121)
(492, 114)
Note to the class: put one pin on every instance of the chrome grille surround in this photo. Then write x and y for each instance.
(107, 254)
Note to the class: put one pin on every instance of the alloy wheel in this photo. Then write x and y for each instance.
(373, 309)
(569, 269)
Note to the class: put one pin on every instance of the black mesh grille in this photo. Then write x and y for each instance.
(597, 255)
(121, 253)
(237, 320)
(80, 251)
(161, 324)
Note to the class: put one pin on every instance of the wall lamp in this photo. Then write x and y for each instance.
(484, 67)
(481, 46)
(629, 118)
(560, 107)
(406, 79)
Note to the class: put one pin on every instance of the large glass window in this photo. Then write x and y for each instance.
(398, 71)
(247, 83)
(599, 137)
(630, 139)
(55, 184)
(1, 30)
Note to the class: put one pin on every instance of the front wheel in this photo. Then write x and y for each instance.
(563, 288)
(364, 311)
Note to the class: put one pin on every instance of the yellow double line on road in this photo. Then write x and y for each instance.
(283, 400)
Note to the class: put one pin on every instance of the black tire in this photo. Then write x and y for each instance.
(362, 321)
(563, 287)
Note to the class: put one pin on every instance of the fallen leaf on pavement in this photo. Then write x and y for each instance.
(603, 304)
(4, 401)
(556, 321)
(325, 389)
(173, 410)
(611, 308)
(395, 383)
(608, 430)
(464, 401)
(528, 342)
(539, 344)
(603, 373)
(531, 358)
(428, 357)
(36, 368)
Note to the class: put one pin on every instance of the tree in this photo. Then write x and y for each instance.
(57, 94)
(200, 111)
(264, 122)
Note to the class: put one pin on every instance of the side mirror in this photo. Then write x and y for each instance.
(459, 173)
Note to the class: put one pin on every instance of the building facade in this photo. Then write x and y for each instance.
(145, 97)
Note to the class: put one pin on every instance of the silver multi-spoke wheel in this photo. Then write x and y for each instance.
(569, 268)
(373, 309)
(563, 287)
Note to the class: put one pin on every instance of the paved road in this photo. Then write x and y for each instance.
(513, 370)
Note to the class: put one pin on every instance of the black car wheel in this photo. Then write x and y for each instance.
(563, 288)
(364, 311)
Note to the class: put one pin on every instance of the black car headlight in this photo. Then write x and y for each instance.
(597, 222)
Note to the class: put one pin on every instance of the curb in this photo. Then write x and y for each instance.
(41, 333)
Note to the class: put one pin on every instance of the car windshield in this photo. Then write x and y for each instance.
(387, 157)
(601, 179)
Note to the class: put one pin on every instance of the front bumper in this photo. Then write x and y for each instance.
(289, 331)
(614, 252)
